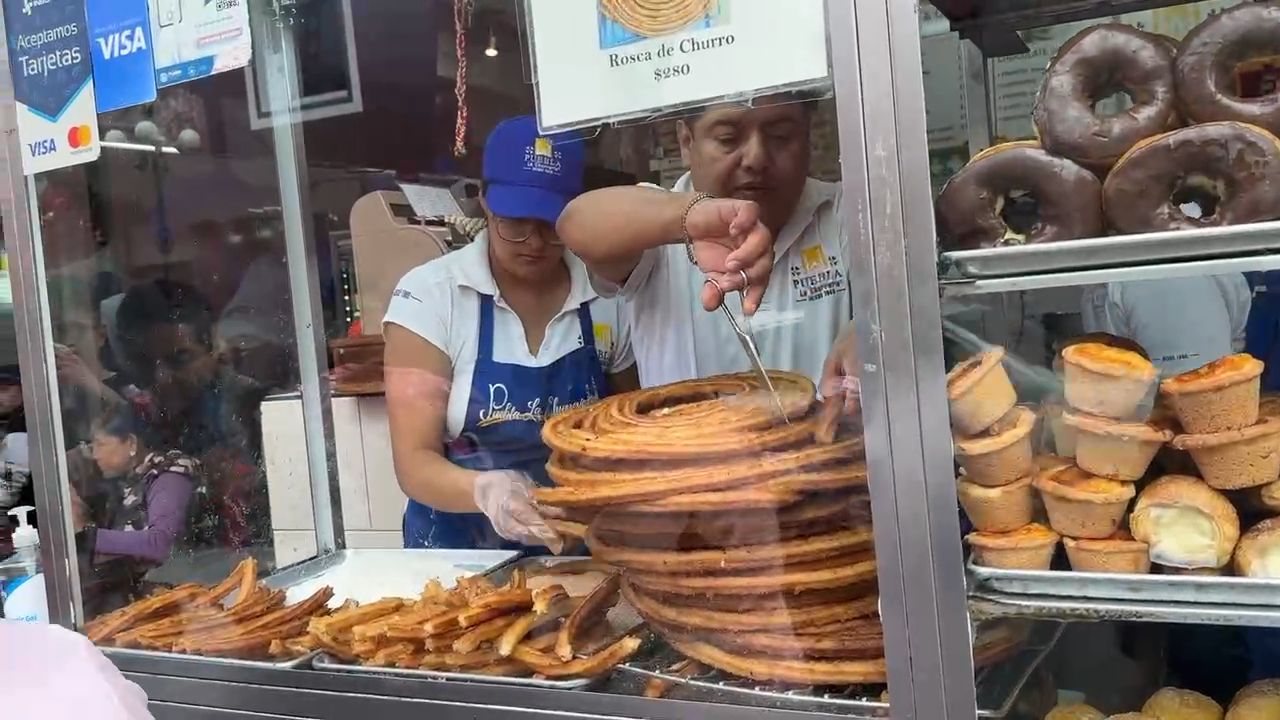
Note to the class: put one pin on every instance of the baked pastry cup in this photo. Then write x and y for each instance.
(997, 509)
(1114, 448)
(1119, 553)
(1108, 381)
(1222, 395)
(1257, 701)
(1186, 523)
(1030, 547)
(1002, 454)
(1082, 505)
(1075, 711)
(1258, 552)
(980, 392)
(1236, 459)
(1063, 435)
(1178, 704)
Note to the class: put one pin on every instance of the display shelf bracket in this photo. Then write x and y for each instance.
(993, 24)
(989, 605)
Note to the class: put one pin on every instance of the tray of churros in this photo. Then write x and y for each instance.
(239, 621)
(520, 625)
(244, 620)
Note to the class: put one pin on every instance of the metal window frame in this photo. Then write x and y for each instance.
(885, 164)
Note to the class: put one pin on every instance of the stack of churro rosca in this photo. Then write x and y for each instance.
(744, 538)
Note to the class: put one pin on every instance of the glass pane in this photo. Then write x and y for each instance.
(174, 342)
(1102, 418)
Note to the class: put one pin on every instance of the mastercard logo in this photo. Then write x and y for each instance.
(79, 136)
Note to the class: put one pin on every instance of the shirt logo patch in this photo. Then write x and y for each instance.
(817, 276)
(813, 259)
(604, 342)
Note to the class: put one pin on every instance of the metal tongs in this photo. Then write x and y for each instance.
(748, 342)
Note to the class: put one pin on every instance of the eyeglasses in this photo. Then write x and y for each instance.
(519, 230)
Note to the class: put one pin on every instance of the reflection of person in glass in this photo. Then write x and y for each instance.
(195, 403)
(151, 494)
(484, 344)
(749, 217)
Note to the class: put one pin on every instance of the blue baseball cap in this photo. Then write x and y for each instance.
(531, 175)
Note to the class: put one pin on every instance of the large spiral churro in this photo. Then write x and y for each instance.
(656, 17)
(730, 519)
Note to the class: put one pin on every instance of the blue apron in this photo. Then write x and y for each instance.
(503, 429)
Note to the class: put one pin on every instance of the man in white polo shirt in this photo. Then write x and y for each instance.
(750, 214)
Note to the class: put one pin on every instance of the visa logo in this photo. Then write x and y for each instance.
(40, 148)
(125, 42)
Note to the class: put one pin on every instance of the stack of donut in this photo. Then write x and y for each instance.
(1197, 149)
(744, 538)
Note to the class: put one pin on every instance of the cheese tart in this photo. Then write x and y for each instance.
(1258, 552)
(1001, 454)
(980, 392)
(1029, 547)
(1119, 553)
(1115, 449)
(1108, 381)
(1257, 701)
(1178, 704)
(997, 509)
(1235, 459)
(1083, 505)
(1186, 523)
(1222, 395)
(1075, 711)
(1131, 716)
(1062, 435)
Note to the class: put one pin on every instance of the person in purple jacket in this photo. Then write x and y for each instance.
(152, 492)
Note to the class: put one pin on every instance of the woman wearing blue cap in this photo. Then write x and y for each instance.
(484, 344)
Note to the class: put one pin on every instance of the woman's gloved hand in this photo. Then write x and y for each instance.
(506, 498)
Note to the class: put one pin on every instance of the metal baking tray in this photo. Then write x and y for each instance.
(999, 685)
(297, 663)
(1117, 251)
(327, 663)
(368, 575)
(1114, 586)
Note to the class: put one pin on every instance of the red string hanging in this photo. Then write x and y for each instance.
(461, 19)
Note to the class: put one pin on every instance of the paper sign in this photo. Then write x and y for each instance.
(52, 83)
(198, 38)
(120, 41)
(638, 60)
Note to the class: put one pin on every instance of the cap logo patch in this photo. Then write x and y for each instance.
(543, 157)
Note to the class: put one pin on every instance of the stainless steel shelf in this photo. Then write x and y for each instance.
(988, 605)
(993, 24)
(1100, 260)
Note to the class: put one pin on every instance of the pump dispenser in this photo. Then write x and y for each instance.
(22, 588)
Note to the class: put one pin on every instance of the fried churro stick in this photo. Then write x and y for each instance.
(294, 647)
(146, 609)
(657, 687)
(519, 579)
(597, 664)
(502, 668)
(803, 672)
(391, 655)
(483, 633)
(526, 623)
(545, 597)
(442, 623)
(253, 645)
(519, 599)
(478, 658)
(411, 617)
(441, 643)
(348, 619)
(219, 592)
(248, 583)
(593, 609)
(332, 645)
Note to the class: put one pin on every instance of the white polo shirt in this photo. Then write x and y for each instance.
(1182, 323)
(440, 302)
(806, 304)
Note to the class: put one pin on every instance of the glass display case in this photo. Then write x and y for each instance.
(325, 350)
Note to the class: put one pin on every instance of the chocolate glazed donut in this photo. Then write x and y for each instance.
(1230, 170)
(1060, 199)
(1095, 64)
(1213, 52)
